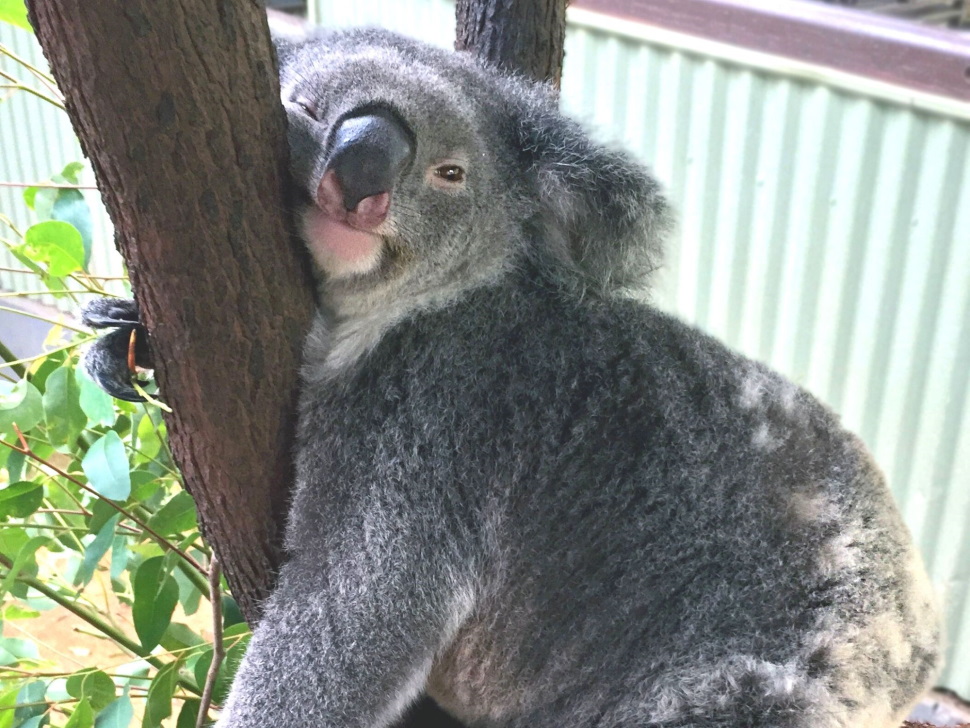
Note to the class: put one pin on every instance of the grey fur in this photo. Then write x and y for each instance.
(542, 502)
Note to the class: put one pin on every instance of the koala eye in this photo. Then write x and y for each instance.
(307, 106)
(450, 173)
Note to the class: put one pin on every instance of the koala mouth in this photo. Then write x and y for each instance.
(368, 152)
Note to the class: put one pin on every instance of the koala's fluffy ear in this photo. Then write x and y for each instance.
(286, 31)
(603, 217)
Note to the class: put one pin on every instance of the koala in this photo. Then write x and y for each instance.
(522, 490)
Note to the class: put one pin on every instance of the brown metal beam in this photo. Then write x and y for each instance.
(931, 60)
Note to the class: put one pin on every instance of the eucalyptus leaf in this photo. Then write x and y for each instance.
(24, 556)
(23, 405)
(15, 13)
(8, 700)
(82, 717)
(31, 701)
(94, 401)
(56, 243)
(189, 714)
(94, 552)
(21, 499)
(176, 516)
(62, 410)
(106, 466)
(148, 439)
(158, 707)
(156, 595)
(41, 200)
(14, 649)
(117, 715)
(119, 556)
(36, 722)
(92, 685)
(71, 207)
(15, 465)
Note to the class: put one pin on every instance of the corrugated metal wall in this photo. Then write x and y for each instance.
(824, 230)
(36, 142)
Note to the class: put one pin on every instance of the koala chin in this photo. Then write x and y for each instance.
(522, 490)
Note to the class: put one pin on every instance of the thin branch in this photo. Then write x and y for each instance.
(16, 85)
(4, 50)
(218, 650)
(51, 321)
(42, 355)
(49, 185)
(161, 540)
(95, 620)
(11, 361)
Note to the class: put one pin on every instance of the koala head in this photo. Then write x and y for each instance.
(424, 173)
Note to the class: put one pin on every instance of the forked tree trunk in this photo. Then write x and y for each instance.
(526, 36)
(176, 104)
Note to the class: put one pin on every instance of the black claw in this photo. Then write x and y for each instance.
(104, 313)
(106, 361)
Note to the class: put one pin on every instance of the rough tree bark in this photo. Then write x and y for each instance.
(176, 105)
(526, 36)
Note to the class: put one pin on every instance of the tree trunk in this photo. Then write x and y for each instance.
(526, 36)
(177, 106)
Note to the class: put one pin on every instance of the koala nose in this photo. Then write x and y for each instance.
(368, 154)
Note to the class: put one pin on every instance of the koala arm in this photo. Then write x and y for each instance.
(347, 641)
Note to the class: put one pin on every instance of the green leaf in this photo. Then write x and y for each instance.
(180, 637)
(189, 594)
(116, 715)
(119, 556)
(8, 701)
(158, 707)
(176, 516)
(106, 465)
(31, 697)
(15, 13)
(94, 401)
(24, 556)
(82, 717)
(48, 366)
(94, 552)
(56, 243)
(92, 685)
(65, 418)
(36, 722)
(20, 499)
(149, 441)
(18, 611)
(21, 404)
(71, 174)
(156, 595)
(71, 207)
(189, 714)
(13, 650)
(15, 465)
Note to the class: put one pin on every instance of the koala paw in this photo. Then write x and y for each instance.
(114, 359)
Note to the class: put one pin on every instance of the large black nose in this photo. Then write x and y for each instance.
(368, 154)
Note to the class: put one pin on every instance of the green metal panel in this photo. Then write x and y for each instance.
(36, 141)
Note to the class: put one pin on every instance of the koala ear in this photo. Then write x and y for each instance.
(603, 218)
(286, 31)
